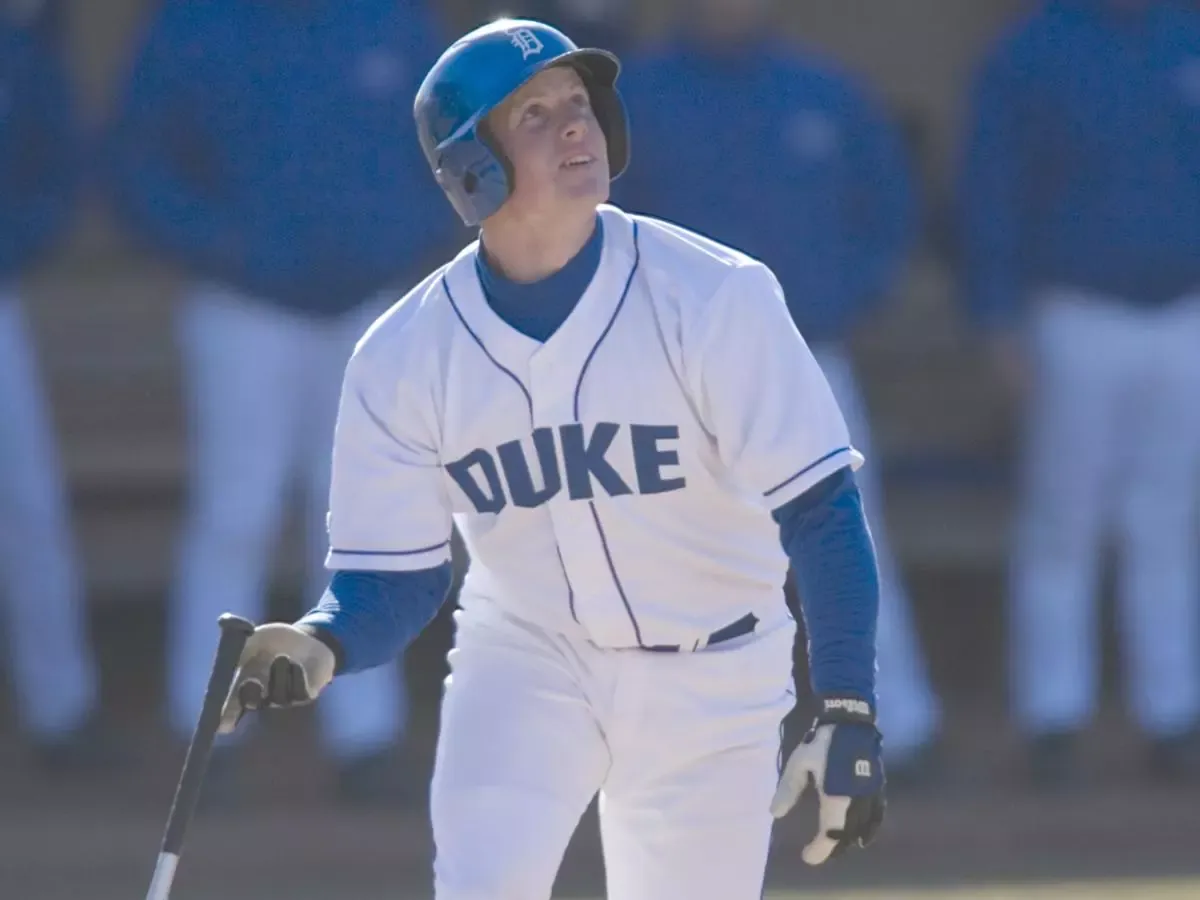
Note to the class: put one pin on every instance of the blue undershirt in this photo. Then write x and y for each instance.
(371, 617)
(828, 543)
(537, 310)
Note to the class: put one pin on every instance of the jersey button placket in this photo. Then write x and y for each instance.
(551, 394)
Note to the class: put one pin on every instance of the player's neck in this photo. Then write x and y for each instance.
(525, 249)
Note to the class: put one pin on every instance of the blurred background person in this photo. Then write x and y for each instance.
(1081, 223)
(50, 661)
(608, 24)
(267, 146)
(747, 139)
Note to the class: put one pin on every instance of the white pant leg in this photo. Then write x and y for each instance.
(366, 711)
(241, 366)
(1080, 350)
(909, 711)
(51, 663)
(1157, 526)
(685, 811)
(520, 756)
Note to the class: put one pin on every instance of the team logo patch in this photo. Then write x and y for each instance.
(862, 768)
(527, 42)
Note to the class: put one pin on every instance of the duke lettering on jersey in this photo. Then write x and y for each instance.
(491, 480)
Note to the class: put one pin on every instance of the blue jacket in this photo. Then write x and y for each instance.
(270, 144)
(782, 157)
(40, 150)
(1082, 162)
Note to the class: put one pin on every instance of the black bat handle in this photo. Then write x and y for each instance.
(234, 633)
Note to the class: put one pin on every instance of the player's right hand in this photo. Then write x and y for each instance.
(281, 665)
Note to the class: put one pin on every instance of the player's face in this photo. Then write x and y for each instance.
(550, 135)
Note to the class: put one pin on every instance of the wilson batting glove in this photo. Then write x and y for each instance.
(281, 665)
(841, 757)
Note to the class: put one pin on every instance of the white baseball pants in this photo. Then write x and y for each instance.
(909, 710)
(683, 749)
(262, 386)
(1113, 456)
(51, 664)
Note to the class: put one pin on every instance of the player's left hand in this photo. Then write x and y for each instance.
(840, 756)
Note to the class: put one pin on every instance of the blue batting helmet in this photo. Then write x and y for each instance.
(473, 77)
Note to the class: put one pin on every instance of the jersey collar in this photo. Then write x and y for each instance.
(582, 330)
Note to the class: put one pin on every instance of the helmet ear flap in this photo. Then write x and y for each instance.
(474, 179)
(487, 136)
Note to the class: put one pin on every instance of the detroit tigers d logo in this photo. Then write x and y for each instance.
(527, 42)
(493, 479)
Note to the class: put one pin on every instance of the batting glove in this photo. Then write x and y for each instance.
(840, 756)
(281, 665)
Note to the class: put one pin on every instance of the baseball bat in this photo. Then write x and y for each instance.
(234, 632)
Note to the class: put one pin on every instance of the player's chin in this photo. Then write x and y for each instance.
(585, 183)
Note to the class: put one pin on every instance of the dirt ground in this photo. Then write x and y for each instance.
(104, 847)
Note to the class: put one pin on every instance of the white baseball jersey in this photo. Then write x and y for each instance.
(613, 482)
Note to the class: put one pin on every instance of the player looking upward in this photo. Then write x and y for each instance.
(633, 440)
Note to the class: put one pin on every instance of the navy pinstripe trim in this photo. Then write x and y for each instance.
(416, 552)
(567, 578)
(637, 258)
(637, 631)
(483, 347)
(806, 470)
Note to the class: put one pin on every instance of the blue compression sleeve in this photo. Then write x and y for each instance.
(824, 532)
(369, 618)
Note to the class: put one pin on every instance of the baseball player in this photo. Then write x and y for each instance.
(1079, 193)
(595, 400)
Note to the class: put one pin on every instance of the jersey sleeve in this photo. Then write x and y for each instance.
(387, 507)
(767, 403)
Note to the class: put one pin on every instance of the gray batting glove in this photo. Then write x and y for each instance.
(281, 665)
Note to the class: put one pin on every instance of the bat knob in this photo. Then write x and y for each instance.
(230, 622)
